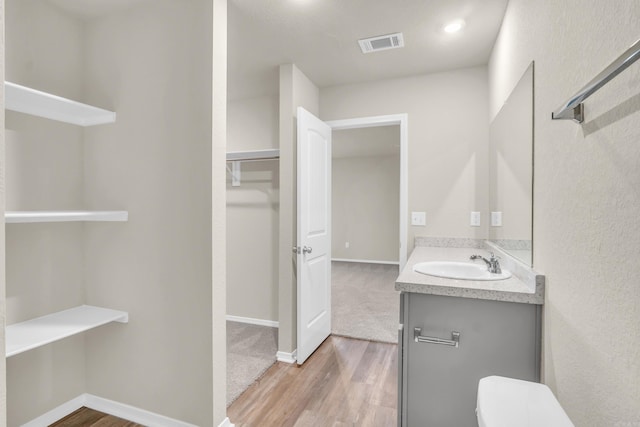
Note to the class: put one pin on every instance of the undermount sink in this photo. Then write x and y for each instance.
(459, 270)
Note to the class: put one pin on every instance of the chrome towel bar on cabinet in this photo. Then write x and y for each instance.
(453, 342)
(573, 109)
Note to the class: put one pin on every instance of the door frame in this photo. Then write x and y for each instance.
(401, 120)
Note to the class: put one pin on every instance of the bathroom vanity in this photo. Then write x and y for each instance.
(455, 332)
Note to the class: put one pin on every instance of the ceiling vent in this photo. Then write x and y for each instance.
(374, 44)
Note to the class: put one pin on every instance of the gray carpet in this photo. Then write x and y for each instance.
(364, 303)
(251, 350)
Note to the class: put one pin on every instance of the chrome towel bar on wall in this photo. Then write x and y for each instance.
(573, 109)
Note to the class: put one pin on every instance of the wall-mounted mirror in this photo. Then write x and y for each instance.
(511, 172)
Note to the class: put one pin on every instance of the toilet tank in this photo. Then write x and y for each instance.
(507, 402)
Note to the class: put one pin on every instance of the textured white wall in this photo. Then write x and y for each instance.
(586, 199)
(252, 212)
(448, 142)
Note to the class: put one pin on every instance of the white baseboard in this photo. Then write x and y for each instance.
(366, 261)
(132, 413)
(283, 356)
(226, 423)
(57, 413)
(110, 407)
(252, 321)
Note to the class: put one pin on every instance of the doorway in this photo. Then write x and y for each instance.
(367, 235)
(365, 195)
(401, 121)
(314, 209)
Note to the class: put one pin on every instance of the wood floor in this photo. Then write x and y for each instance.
(89, 418)
(346, 382)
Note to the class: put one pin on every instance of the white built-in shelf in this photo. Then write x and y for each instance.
(44, 330)
(36, 103)
(235, 156)
(12, 217)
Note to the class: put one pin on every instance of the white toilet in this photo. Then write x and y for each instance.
(507, 402)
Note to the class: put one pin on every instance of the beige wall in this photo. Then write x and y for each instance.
(156, 162)
(218, 220)
(586, 199)
(448, 140)
(252, 124)
(252, 212)
(295, 90)
(365, 207)
(43, 170)
(153, 65)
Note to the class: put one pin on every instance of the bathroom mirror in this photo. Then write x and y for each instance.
(511, 172)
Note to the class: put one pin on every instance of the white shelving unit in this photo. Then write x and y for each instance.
(235, 157)
(14, 217)
(24, 336)
(36, 103)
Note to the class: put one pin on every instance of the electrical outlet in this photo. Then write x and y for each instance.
(346, 245)
(475, 219)
(496, 219)
(418, 218)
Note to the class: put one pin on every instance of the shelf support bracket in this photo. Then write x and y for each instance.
(236, 174)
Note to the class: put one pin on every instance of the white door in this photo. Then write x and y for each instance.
(314, 233)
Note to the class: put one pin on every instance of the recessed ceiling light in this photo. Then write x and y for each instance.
(454, 26)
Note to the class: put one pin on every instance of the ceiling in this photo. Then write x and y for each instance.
(320, 37)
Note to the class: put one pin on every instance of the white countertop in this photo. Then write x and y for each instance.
(511, 290)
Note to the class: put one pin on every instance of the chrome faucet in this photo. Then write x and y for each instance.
(492, 263)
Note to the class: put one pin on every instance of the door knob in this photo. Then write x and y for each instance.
(304, 250)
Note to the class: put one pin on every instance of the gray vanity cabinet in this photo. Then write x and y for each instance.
(438, 381)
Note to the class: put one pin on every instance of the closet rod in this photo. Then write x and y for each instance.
(573, 109)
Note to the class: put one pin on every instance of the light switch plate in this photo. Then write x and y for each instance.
(418, 218)
(475, 219)
(496, 219)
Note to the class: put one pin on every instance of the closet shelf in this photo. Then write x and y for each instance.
(36, 103)
(43, 330)
(235, 156)
(12, 217)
